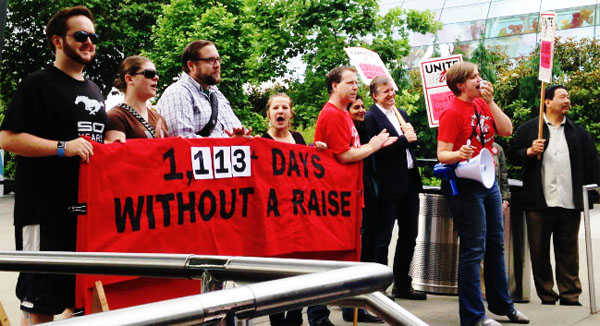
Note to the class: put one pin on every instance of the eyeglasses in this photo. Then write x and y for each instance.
(211, 60)
(82, 36)
(148, 73)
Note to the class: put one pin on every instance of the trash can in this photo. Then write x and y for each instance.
(434, 267)
(516, 246)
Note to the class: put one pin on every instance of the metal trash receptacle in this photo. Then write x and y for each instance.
(434, 267)
(516, 246)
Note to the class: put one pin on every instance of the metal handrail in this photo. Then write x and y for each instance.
(246, 269)
(588, 244)
(325, 281)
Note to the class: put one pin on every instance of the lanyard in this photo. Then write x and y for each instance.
(481, 133)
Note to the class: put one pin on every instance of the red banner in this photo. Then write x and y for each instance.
(235, 196)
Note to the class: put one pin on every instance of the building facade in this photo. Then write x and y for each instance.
(510, 24)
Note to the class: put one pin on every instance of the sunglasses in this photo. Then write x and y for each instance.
(82, 36)
(148, 73)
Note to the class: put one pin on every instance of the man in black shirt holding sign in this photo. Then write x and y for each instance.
(49, 114)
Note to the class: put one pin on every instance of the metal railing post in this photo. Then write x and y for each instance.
(588, 245)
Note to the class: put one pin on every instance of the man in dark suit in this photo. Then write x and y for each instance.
(399, 185)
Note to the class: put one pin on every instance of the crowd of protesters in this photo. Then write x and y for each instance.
(54, 108)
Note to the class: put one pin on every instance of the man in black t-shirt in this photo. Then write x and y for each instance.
(49, 114)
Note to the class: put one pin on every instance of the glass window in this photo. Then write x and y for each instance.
(460, 14)
(423, 4)
(514, 46)
(418, 39)
(386, 5)
(513, 7)
(465, 47)
(446, 49)
(417, 54)
(456, 3)
(466, 31)
(514, 25)
(559, 4)
(577, 32)
(575, 18)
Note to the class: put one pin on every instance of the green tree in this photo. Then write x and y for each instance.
(576, 65)
(123, 26)
(258, 44)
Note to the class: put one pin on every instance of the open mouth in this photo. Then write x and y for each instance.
(280, 119)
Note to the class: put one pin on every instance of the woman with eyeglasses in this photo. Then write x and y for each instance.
(137, 78)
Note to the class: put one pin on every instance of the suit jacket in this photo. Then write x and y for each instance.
(585, 166)
(391, 169)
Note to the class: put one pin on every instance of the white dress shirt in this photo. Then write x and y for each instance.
(394, 120)
(556, 168)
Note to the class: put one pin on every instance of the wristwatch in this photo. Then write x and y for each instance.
(60, 147)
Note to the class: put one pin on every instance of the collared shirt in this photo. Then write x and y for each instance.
(556, 168)
(186, 109)
(394, 121)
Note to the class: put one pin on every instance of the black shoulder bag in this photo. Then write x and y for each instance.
(212, 122)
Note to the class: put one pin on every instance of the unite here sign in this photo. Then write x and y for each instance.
(438, 96)
(547, 27)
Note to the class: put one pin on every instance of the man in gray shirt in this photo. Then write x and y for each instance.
(193, 106)
(552, 193)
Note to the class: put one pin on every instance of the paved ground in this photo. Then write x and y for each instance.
(439, 310)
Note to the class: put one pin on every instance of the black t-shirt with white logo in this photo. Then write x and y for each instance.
(52, 105)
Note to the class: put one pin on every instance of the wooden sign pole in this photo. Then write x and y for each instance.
(3, 317)
(541, 121)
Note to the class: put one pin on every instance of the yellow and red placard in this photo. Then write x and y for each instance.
(239, 197)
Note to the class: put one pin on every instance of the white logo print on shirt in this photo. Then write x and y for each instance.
(91, 105)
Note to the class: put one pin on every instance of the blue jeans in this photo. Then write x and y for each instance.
(477, 214)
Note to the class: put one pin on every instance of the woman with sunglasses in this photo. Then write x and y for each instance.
(137, 78)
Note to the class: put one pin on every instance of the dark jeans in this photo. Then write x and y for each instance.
(288, 318)
(317, 313)
(477, 214)
(405, 210)
(563, 225)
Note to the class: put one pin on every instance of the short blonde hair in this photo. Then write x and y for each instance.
(459, 73)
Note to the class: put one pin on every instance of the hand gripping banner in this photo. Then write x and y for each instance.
(237, 196)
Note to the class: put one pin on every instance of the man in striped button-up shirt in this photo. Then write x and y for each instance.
(186, 104)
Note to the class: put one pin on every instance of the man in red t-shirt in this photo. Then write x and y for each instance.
(335, 126)
(336, 129)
